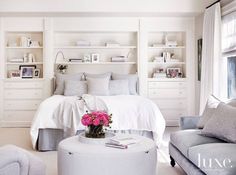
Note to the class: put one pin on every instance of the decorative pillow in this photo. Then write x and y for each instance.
(132, 78)
(60, 81)
(98, 86)
(119, 87)
(105, 75)
(211, 105)
(222, 124)
(75, 88)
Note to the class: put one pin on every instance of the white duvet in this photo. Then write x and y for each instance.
(128, 113)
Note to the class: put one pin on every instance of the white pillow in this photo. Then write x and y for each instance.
(75, 88)
(98, 86)
(104, 75)
(132, 78)
(209, 110)
(119, 87)
(60, 81)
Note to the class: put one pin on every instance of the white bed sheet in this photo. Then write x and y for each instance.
(129, 112)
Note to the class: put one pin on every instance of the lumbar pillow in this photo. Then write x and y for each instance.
(105, 75)
(60, 81)
(132, 78)
(119, 87)
(75, 88)
(211, 105)
(222, 124)
(98, 86)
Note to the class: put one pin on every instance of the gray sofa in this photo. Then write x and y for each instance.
(197, 154)
(16, 161)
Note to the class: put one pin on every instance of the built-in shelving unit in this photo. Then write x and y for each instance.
(15, 50)
(97, 41)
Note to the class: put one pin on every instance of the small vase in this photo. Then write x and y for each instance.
(95, 131)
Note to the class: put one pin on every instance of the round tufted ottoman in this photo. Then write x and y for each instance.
(80, 158)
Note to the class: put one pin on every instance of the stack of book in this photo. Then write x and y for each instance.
(16, 60)
(119, 59)
(122, 142)
(112, 44)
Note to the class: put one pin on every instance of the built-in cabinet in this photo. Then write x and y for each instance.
(150, 46)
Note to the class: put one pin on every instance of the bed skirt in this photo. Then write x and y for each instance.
(49, 139)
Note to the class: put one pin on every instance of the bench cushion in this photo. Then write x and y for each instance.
(219, 151)
(185, 139)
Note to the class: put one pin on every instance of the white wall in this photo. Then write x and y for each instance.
(198, 35)
(149, 6)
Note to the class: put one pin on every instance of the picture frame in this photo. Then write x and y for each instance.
(36, 73)
(199, 58)
(87, 58)
(16, 74)
(174, 73)
(27, 71)
(95, 57)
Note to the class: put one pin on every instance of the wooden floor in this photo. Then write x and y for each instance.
(21, 138)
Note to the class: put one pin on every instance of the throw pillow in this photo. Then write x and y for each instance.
(75, 88)
(211, 105)
(222, 124)
(60, 81)
(119, 87)
(104, 75)
(132, 78)
(98, 86)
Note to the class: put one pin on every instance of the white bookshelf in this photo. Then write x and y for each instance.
(66, 42)
(24, 47)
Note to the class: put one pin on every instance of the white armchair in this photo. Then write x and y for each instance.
(16, 161)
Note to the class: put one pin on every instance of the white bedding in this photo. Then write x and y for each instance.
(129, 112)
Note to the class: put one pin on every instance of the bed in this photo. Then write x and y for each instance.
(59, 116)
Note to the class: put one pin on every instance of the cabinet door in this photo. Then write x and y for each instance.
(21, 104)
(171, 103)
(13, 116)
(23, 85)
(166, 85)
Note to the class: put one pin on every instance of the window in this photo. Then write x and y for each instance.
(229, 54)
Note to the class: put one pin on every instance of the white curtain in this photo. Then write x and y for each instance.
(211, 55)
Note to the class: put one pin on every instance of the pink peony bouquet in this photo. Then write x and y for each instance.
(95, 121)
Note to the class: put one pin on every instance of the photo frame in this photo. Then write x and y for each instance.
(95, 57)
(87, 58)
(36, 73)
(199, 58)
(27, 71)
(174, 73)
(14, 74)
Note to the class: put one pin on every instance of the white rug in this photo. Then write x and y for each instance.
(20, 137)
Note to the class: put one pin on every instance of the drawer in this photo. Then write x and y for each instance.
(171, 103)
(23, 85)
(167, 93)
(166, 85)
(173, 114)
(21, 104)
(23, 94)
(18, 116)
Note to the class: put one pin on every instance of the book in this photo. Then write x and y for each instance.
(124, 140)
(116, 145)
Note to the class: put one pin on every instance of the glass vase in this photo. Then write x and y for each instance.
(93, 131)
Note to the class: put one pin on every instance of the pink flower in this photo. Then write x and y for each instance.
(96, 122)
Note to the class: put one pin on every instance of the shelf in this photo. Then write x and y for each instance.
(24, 47)
(100, 63)
(24, 79)
(167, 79)
(94, 47)
(33, 63)
(166, 63)
(166, 47)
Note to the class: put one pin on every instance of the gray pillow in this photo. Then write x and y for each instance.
(132, 78)
(75, 88)
(211, 105)
(222, 124)
(119, 87)
(98, 86)
(105, 75)
(60, 81)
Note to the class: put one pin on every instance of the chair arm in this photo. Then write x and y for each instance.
(11, 154)
(189, 122)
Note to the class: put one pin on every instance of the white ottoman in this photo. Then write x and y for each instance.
(76, 158)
